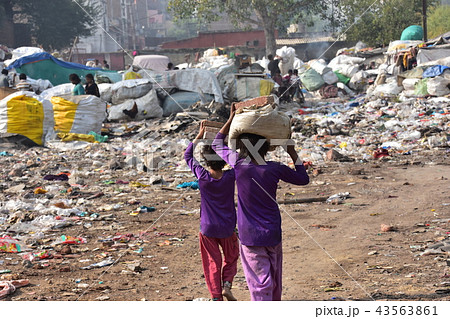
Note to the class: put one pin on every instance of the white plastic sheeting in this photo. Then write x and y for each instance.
(147, 107)
(193, 80)
(130, 89)
(152, 62)
(58, 90)
(424, 56)
(106, 91)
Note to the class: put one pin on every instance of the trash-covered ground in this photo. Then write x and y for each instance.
(112, 221)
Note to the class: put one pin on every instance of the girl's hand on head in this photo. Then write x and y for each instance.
(232, 111)
(201, 131)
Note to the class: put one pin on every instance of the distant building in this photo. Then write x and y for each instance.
(108, 33)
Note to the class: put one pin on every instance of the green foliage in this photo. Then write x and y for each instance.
(438, 21)
(56, 23)
(266, 14)
(383, 22)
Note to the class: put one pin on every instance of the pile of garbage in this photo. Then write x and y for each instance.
(405, 69)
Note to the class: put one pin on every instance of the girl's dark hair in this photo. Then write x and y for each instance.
(214, 161)
(89, 76)
(75, 78)
(253, 139)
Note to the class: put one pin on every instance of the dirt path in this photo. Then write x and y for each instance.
(409, 197)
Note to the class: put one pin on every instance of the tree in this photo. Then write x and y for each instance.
(266, 14)
(55, 23)
(438, 21)
(377, 23)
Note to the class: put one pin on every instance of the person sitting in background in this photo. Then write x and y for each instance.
(4, 80)
(170, 66)
(105, 65)
(78, 88)
(23, 84)
(287, 77)
(277, 78)
(91, 87)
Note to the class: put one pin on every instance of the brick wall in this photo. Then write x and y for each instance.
(252, 39)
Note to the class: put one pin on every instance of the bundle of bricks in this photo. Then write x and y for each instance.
(211, 129)
(257, 102)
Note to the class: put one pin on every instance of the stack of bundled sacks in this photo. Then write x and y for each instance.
(42, 118)
(127, 100)
(212, 60)
(131, 100)
(350, 74)
(343, 72)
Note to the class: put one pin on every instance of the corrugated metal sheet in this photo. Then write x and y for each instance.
(304, 40)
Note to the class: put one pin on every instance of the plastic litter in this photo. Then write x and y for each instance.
(193, 185)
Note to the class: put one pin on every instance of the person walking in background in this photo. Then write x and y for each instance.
(217, 220)
(273, 65)
(91, 87)
(258, 214)
(78, 88)
(23, 84)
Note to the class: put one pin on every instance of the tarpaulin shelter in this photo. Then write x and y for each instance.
(46, 66)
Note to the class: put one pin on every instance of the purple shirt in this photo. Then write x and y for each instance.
(217, 210)
(259, 219)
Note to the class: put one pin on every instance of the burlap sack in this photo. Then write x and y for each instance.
(266, 121)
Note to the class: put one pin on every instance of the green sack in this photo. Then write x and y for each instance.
(312, 80)
(342, 78)
(421, 88)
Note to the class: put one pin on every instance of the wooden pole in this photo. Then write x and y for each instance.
(424, 20)
(303, 200)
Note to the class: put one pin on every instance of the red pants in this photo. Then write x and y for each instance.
(215, 275)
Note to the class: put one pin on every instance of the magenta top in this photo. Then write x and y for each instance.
(217, 209)
(258, 215)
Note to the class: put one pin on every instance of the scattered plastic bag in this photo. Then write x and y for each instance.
(104, 263)
(72, 240)
(10, 245)
(193, 185)
(338, 198)
(421, 88)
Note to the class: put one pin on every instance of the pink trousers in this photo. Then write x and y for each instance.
(262, 267)
(215, 275)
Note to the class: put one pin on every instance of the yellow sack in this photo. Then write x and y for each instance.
(27, 114)
(79, 114)
(132, 76)
(265, 87)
